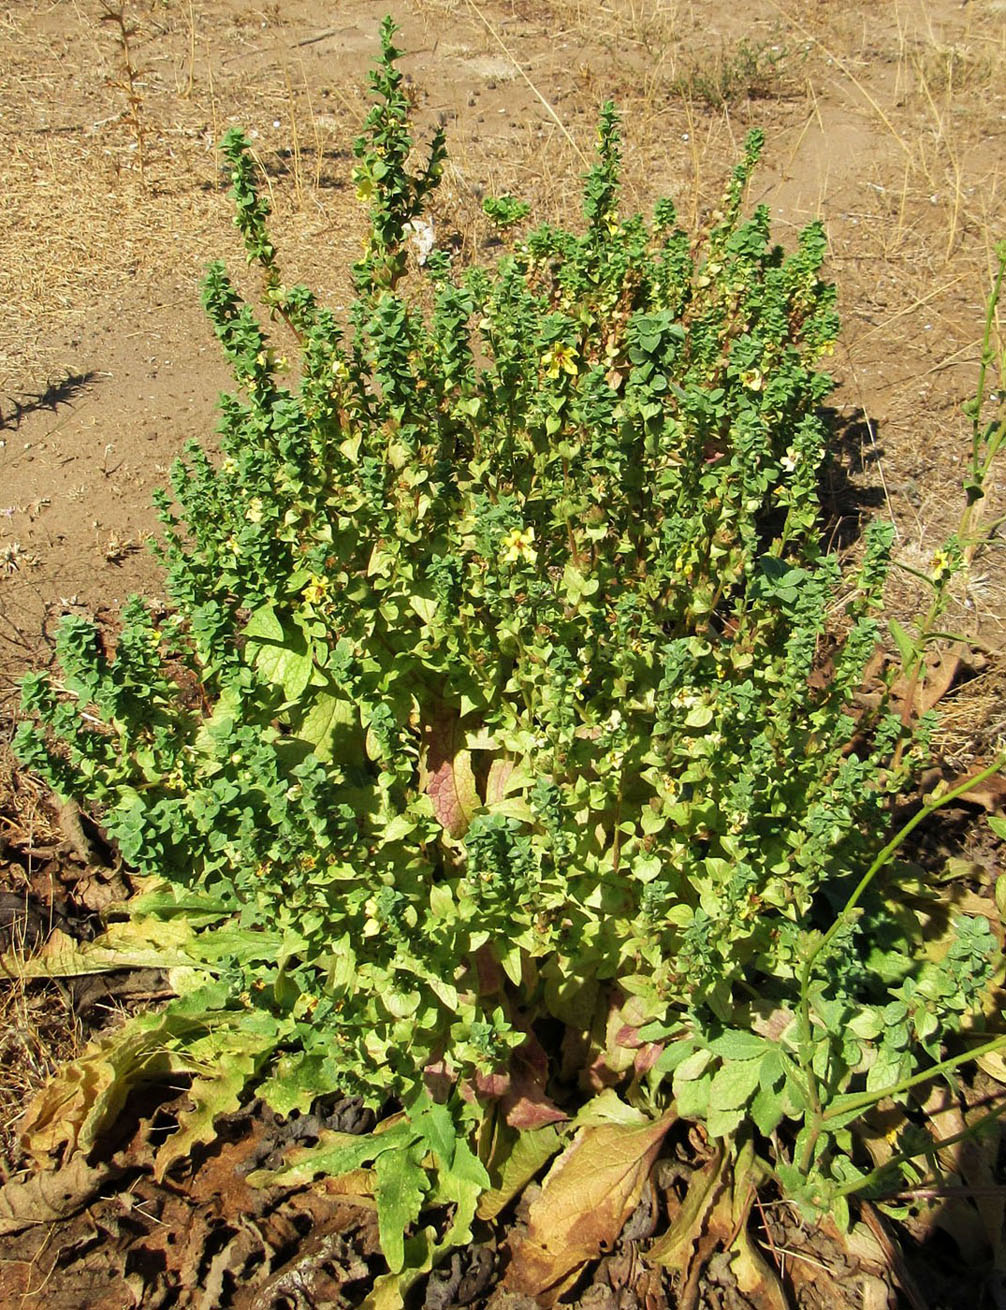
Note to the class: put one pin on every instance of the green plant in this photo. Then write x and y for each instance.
(507, 680)
(505, 210)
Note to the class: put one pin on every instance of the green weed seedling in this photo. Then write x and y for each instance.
(491, 701)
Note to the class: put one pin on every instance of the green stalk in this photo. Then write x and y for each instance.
(979, 473)
(968, 535)
(930, 807)
(842, 921)
(896, 1161)
(863, 1100)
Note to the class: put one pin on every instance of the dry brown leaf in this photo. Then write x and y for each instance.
(675, 1249)
(990, 794)
(875, 1293)
(73, 1108)
(52, 1194)
(714, 1216)
(933, 683)
(587, 1196)
(754, 1277)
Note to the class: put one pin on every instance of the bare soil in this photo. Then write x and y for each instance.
(887, 121)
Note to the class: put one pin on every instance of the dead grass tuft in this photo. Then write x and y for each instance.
(38, 1033)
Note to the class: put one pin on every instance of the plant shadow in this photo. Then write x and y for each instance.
(849, 495)
(62, 391)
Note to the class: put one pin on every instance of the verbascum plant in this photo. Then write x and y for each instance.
(506, 691)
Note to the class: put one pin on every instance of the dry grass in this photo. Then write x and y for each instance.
(38, 1029)
(38, 1033)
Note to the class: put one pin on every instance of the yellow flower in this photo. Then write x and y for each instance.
(364, 184)
(559, 358)
(254, 511)
(942, 566)
(316, 590)
(518, 544)
(753, 379)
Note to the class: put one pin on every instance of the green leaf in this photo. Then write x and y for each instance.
(692, 1097)
(264, 625)
(735, 1044)
(283, 658)
(512, 963)
(425, 607)
(607, 1107)
(692, 1066)
(577, 586)
(402, 1184)
(335, 1154)
(675, 1053)
(700, 716)
(723, 1123)
(904, 643)
(517, 1157)
(435, 1123)
(733, 1084)
(233, 1058)
(298, 1080)
(463, 1184)
(329, 725)
(388, 1291)
(767, 1110)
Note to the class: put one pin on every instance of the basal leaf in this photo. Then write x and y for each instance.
(497, 784)
(674, 1249)
(48, 1196)
(298, 1080)
(335, 1154)
(435, 1123)
(388, 1291)
(86, 1095)
(214, 1093)
(517, 1157)
(144, 943)
(585, 1200)
(281, 655)
(448, 777)
(287, 668)
(402, 1184)
(264, 625)
(462, 1184)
